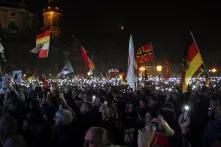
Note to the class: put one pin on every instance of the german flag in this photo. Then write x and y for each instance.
(192, 63)
(144, 54)
(87, 62)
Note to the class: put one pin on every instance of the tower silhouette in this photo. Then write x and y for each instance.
(52, 15)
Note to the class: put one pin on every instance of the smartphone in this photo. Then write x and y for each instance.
(186, 112)
(93, 98)
(209, 108)
(186, 108)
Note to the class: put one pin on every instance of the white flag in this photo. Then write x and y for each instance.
(36, 49)
(131, 77)
(1, 48)
(2, 52)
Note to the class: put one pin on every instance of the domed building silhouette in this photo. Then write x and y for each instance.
(52, 15)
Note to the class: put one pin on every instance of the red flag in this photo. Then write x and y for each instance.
(166, 69)
(144, 54)
(86, 59)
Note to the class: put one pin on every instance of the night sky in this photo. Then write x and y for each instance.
(97, 25)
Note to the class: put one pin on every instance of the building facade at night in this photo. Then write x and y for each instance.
(52, 15)
(15, 17)
(19, 24)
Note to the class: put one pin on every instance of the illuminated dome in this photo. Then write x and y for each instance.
(52, 16)
(52, 6)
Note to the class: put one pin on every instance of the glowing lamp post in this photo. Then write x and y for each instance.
(213, 70)
(142, 70)
(159, 68)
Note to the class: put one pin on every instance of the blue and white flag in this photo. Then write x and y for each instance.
(17, 77)
(6, 84)
(67, 69)
(131, 77)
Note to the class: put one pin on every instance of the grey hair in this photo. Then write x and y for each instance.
(101, 135)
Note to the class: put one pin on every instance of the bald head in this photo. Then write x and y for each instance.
(96, 137)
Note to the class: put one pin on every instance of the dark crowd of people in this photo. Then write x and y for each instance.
(111, 115)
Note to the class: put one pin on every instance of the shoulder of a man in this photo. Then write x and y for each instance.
(16, 141)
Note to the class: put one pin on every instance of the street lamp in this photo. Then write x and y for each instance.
(142, 69)
(24, 75)
(159, 68)
(213, 70)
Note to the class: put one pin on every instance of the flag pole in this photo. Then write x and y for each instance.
(2, 56)
(154, 64)
(79, 43)
(204, 65)
(1, 71)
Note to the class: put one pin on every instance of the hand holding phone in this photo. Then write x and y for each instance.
(93, 98)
